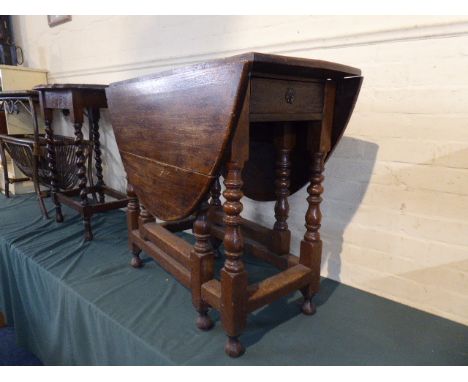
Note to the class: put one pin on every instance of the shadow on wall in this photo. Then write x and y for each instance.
(343, 193)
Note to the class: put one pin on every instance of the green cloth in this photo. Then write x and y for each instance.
(80, 303)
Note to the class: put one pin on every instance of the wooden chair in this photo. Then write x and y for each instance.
(268, 124)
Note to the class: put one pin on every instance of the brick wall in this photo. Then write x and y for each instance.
(396, 201)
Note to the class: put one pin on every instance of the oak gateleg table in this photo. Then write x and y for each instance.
(267, 123)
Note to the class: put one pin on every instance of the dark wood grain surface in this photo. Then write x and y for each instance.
(172, 132)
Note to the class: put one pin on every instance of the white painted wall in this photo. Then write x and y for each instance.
(396, 201)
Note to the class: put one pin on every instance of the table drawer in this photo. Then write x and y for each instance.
(272, 96)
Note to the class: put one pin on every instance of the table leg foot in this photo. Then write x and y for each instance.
(136, 261)
(204, 321)
(308, 307)
(58, 216)
(234, 347)
(87, 229)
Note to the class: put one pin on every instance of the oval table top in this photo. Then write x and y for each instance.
(173, 128)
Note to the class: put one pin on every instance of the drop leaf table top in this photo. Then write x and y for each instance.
(173, 128)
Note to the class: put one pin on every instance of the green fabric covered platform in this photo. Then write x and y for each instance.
(78, 303)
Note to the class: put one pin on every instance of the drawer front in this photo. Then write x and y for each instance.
(58, 99)
(272, 96)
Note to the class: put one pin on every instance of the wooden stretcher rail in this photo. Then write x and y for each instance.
(262, 293)
(166, 261)
(211, 293)
(173, 245)
(259, 250)
(277, 286)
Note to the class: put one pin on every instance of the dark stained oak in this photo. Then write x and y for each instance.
(202, 131)
(267, 124)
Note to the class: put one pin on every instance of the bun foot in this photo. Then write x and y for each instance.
(204, 322)
(308, 307)
(136, 262)
(234, 348)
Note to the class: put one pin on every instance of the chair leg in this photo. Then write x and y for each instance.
(233, 275)
(311, 245)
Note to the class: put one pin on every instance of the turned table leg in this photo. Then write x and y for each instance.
(94, 116)
(50, 146)
(82, 179)
(281, 238)
(233, 274)
(133, 211)
(215, 202)
(215, 193)
(311, 245)
(202, 265)
(145, 217)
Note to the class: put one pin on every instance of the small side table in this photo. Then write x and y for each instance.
(78, 100)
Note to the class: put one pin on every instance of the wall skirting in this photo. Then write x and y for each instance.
(418, 32)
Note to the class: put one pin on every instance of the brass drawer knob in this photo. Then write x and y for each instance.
(289, 95)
